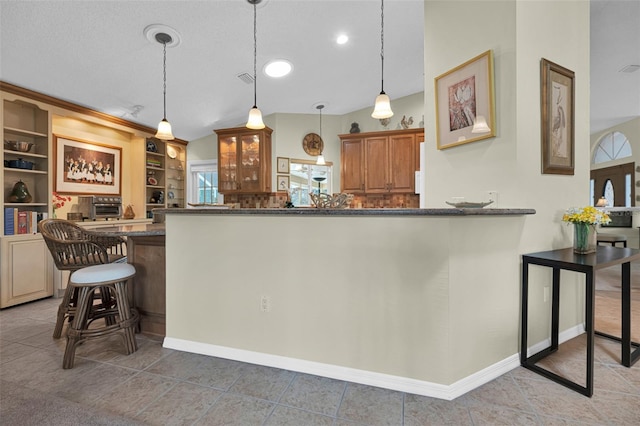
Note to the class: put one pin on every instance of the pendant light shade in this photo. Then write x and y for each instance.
(480, 125)
(382, 107)
(164, 130)
(164, 127)
(255, 115)
(255, 119)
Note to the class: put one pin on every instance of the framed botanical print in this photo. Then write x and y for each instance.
(557, 118)
(283, 165)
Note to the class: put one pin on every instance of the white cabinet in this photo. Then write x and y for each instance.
(26, 270)
(25, 263)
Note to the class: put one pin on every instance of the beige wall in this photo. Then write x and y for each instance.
(520, 33)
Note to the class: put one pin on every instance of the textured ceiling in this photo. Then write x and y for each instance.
(94, 53)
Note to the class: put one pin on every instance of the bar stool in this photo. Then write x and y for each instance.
(120, 318)
(612, 239)
(72, 248)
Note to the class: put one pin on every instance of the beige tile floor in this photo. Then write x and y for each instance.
(158, 386)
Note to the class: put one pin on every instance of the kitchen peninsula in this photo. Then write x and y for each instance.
(366, 295)
(145, 251)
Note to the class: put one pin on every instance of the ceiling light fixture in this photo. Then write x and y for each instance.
(278, 68)
(320, 161)
(255, 116)
(342, 39)
(382, 107)
(164, 127)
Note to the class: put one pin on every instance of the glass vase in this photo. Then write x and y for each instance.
(584, 238)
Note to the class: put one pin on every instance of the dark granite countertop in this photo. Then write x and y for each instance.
(139, 230)
(306, 211)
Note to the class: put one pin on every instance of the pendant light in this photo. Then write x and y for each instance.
(255, 116)
(320, 161)
(164, 127)
(382, 107)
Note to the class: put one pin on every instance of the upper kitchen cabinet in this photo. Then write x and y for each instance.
(380, 162)
(244, 160)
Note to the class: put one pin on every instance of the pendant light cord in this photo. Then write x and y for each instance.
(255, 55)
(164, 86)
(382, 45)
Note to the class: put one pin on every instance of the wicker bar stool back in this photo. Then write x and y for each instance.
(108, 278)
(73, 248)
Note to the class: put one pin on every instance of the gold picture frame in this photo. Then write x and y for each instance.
(464, 94)
(282, 165)
(83, 167)
(283, 183)
(557, 101)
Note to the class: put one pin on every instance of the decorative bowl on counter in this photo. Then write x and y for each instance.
(335, 201)
(469, 204)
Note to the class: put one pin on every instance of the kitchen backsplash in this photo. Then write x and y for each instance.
(369, 201)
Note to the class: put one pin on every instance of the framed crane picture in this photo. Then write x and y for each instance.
(557, 118)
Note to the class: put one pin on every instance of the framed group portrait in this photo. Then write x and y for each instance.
(83, 167)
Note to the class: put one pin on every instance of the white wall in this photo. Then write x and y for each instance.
(520, 33)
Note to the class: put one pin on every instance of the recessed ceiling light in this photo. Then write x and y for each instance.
(342, 39)
(278, 68)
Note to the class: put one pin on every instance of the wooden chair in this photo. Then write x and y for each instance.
(72, 248)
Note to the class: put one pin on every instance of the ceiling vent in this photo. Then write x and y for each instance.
(630, 68)
(246, 77)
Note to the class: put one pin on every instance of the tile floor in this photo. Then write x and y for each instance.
(158, 386)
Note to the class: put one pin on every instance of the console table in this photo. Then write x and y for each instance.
(566, 259)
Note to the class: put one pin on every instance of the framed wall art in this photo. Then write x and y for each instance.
(557, 118)
(283, 165)
(283, 183)
(82, 167)
(464, 96)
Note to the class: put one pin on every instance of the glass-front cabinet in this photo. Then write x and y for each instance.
(244, 160)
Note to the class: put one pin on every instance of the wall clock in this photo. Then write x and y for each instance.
(312, 144)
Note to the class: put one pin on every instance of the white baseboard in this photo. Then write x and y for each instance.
(562, 337)
(397, 383)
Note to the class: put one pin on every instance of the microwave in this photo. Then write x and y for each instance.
(95, 207)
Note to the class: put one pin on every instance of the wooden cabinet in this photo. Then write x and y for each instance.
(244, 160)
(165, 175)
(352, 165)
(25, 265)
(380, 162)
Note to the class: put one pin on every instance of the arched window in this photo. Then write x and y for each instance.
(612, 146)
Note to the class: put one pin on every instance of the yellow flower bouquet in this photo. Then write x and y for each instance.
(585, 220)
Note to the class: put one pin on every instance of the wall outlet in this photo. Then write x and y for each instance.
(493, 196)
(265, 304)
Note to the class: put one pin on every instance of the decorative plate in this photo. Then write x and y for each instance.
(469, 204)
(170, 194)
(152, 181)
(171, 152)
(151, 146)
(312, 144)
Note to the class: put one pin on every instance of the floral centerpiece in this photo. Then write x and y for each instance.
(58, 201)
(585, 220)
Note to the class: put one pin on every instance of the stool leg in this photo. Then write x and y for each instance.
(127, 320)
(79, 323)
(63, 311)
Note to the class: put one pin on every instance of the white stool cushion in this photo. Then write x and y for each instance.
(103, 273)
